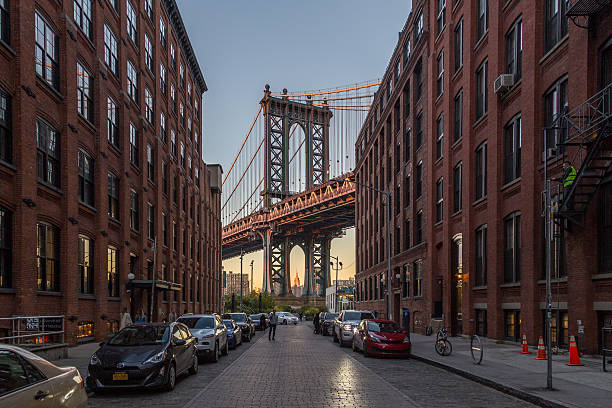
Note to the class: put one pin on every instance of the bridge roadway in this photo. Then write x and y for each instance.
(301, 369)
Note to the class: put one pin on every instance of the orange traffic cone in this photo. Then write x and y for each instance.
(574, 357)
(541, 350)
(525, 348)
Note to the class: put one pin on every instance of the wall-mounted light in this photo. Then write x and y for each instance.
(127, 243)
(29, 202)
(103, 317)
(72, 318)
(104, 233)
(73, 220)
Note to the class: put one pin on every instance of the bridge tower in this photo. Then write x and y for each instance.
(280, 115)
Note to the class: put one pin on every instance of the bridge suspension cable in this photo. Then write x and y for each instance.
(241, 147)
(327, 92)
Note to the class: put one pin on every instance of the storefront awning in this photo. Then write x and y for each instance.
(148, 283)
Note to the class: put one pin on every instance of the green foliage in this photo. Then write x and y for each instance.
(250, 303)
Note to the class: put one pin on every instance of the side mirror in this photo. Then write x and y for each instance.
(102, 343)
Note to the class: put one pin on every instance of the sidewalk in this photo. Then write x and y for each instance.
(78, 356)
(505, 369)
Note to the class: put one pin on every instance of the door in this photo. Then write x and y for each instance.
(180, 346)
(406, 319)
(396, 308)
(22, 384)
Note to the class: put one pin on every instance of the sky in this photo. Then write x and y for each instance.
(295, 44)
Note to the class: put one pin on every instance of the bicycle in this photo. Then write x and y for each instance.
(476, 349)
(443, 346)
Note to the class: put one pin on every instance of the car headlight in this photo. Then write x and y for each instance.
(374, 339)
(157, 358)
(348, 327)
(407, 339)
(208, 336)
(94, 360)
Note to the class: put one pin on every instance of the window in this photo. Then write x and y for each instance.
(132, 22)
(164, 229)
(605, 58)
(172, 57)
(175, 190)
(440, 136)
(182, 155)
(441, 18)
(47, 53)
(459, 45)
(111, 53)
(5, 26)
(134, 150)
(512, 150)
(84, 93)
(48, 153)
(189, 95)
(514, 49)
(182, 75)
(483, 18)
(182, 114)
(407, 192)
(47, 257)
(174, 236)
(419, 227)
(407, 146)
(481, 171)
(481, 256)
(113, 196)
(512, 325)
(512, 248)
(556, 22)
(481, 90)
(418, 26)
(164, 174)
(149, 9)
(439, 200)
(417, 269)
(197, 177)
(189, 167)
(162, 79)
(481, 322)
(184, 242)
(605, 229)
(458, 134)
(114, 4)
(85, 264)
(555, 103)
(419, 130)
(150, 163)
(82, 16)
(184, 199)
(132, 81)
(418, 73)
(149, 112)
(6, 128)
(151, 220)
(112, 271)
(407, 50)
(162, 33)
(134, 210)
(112, 122)
(173, 142)
(6, 248)
(419, 180)
(457, 187)
(173, 98)
(440, 79)
(86, 178)
(148, 53)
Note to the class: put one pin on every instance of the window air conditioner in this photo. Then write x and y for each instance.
(504, 82)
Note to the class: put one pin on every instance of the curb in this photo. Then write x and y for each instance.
(515, 392)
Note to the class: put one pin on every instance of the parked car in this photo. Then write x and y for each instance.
(260, 321)
(144, 355)
(245, 323)
(381, 337)
(234, 333)
(326, 321)
(286, 318)
(210, 334)
(346, 323)
(27, 380)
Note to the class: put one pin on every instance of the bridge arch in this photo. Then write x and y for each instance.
(296, 161)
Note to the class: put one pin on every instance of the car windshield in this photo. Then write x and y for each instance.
(238, 317)
(255, 317)
(141, 336)
(331, 316)
(357, 316)
(207, 322)
(229, 324)
(384, 327)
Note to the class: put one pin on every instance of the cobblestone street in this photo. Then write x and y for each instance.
(300, 369)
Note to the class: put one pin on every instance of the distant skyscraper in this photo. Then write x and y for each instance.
(297, 288)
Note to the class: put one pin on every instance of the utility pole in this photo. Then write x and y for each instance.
(336, 282)
(153, 280)
(548, 236)
(252, 261)
(241, 256)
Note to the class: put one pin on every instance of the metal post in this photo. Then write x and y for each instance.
(548, 287)
(241, 256)
(389, 276)
(336, 308)
(252, 275)
(153, 280)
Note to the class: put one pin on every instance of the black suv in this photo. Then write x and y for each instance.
(326, 321)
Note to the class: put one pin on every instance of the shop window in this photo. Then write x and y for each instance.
(512, 325)
(85, 331)
(481, 322)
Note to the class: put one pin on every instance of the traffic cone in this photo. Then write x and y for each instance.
(574, 357)
(541, 350)
(525, 348)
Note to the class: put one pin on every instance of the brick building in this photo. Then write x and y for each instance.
(464, 162)
(100, 157)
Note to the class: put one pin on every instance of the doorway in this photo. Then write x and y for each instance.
(396, 307)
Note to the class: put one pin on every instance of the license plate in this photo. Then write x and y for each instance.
(120, 376)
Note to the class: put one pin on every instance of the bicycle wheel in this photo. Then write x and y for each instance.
(443, 347)
(448, 349)
(476, 348)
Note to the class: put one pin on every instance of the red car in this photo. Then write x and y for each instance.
(381, 337)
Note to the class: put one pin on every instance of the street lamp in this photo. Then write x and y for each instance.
(389, 274)
(338, 263)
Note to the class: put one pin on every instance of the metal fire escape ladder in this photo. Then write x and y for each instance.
(589, 126)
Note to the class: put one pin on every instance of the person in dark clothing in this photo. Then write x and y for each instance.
(273, 323)
(315, 321)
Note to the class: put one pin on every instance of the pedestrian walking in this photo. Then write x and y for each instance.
(569, 175)
(273, 323)
(315, 321)
(126, 319)
(141, 317)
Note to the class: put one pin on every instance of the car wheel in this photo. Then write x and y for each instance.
(285, 321)
(226, 348)
(193, 370)
(215, 356)
(335, 337)
(171, 381)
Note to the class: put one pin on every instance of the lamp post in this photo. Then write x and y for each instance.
(338, 263)
(241, 256)
(389, 275)
(252, 261)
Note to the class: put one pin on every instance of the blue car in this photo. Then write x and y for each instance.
(234, 333)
